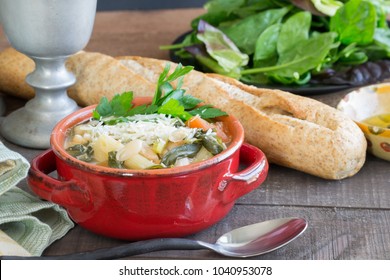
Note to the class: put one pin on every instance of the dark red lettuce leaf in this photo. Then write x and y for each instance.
(363, 74)
(307, 5)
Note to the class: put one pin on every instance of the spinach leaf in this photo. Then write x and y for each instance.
(355, 22)
(227, 6)
(306, 55)
(245, 32)
(266, 52)
(355, 58)
(382, 39)
(293, 31)
(212, 144)
(218, 11)
(214, 19)
(81, 152)
(225, 11)
(112, 161)
(350, 55)
(256, 6)
(187, 150)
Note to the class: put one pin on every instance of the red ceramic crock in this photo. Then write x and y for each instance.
(142, 204)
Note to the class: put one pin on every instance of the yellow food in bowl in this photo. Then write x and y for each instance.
(382, 120)
(369, 107)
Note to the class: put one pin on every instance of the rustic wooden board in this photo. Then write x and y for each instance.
(333, 234)
(368, 189)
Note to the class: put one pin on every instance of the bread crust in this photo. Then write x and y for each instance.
(14, 67)
(96, 74)
(300, 132)
(101, 75)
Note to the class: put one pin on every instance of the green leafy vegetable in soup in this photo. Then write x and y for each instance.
(174, 130)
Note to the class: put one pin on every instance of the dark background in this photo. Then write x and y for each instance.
(111, 5)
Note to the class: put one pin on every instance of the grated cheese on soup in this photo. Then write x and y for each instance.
(144, 127)
(141, 142)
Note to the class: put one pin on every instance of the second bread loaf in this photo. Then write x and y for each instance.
(292, 130)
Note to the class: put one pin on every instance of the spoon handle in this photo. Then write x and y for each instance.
(121, 251)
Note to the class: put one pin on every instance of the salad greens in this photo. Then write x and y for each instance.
(167, 100)
(290, 42)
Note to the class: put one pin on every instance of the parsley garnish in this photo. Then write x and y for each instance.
(167, 100)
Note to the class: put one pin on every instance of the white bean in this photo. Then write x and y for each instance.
(78, 139)
(130, 149)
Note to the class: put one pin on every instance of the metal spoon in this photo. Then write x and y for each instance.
(247, 241)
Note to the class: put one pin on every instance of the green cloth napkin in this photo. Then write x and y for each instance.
(30, 221)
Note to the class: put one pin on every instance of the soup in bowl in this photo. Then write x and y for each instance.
(175, 197)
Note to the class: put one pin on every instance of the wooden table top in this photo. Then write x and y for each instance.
(348, 219)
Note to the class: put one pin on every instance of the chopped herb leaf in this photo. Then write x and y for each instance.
(173, 108)
(121, 104)
(167, 100)
(189, 101)
(207, 112)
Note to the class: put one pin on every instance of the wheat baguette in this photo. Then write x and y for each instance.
(101, 75)
(14, 67)
(292, 130)
(97, 75)
(302, 133)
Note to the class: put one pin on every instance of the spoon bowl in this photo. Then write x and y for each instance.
(247, 241)
(260, 238)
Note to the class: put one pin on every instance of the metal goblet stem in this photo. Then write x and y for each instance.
(48, 31)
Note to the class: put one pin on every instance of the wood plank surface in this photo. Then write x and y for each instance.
(333, 233)
(348, 219)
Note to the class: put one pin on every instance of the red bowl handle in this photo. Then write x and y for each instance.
(240, 183)
(64, 193)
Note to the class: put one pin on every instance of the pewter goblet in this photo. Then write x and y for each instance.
(48, 31)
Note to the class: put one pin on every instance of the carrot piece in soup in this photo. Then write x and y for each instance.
(198, 122)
